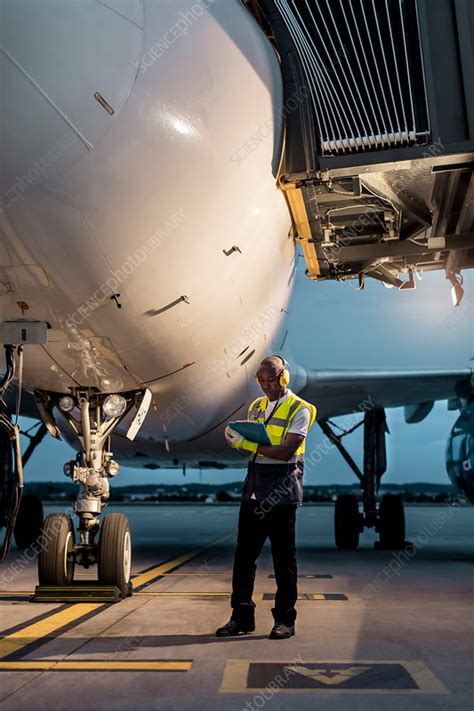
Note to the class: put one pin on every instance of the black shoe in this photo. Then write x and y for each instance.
(233, 629)
(281, 631)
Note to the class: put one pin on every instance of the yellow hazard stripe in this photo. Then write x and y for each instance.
(43, 628)
(97, 665)
(57, 620)
(160, 593)
(150, 575)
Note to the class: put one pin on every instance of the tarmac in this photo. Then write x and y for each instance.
(385, 629)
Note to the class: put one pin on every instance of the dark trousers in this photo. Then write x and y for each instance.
(254, 526)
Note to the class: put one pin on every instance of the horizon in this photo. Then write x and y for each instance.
(425, 332)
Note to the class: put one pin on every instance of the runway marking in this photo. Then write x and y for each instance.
(179, 665)
(164, 593)
(150, 576)
(327, 597)
(312, 596)
(45, 628)
(203, 574)
(330, 677)
(20, 641)
(253, 676)
(310, 576)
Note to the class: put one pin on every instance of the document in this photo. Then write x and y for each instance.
(253, 431)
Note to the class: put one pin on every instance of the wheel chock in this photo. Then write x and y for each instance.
(79, 592)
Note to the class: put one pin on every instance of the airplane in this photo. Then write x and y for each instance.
(148, 256)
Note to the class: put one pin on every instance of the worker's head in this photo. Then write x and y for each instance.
(273, 376)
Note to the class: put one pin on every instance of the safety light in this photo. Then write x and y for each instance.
(114, 405)
(68, 468)
(113, 468)
(66, 403)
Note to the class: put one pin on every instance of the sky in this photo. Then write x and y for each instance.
(333, 326)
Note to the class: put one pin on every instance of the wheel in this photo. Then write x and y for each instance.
(391, 525)
(347, 522)
(29, 521)
(56, 558)
(115, 552)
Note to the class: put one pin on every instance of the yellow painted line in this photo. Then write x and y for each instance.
(73, 613)
(43, 628)
(98, 665)
(164, 593)
(203, 574)
(149, 575)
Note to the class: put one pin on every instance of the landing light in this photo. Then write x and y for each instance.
(113, 468)
(66, 403)
(68, 468)
(114, 405)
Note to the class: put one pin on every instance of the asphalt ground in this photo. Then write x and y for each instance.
(378, 629)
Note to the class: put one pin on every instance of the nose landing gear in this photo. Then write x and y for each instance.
(93, 417)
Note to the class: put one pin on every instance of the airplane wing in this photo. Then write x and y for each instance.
(340, 392)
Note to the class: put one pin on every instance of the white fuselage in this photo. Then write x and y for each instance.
(168, 208)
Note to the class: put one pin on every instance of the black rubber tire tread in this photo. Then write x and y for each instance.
(29, 521)
(51, 558)
(346, 522)
(7, 477)
(110, 564)
(392, 521)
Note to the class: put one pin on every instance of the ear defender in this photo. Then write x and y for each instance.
(284, 375)
(284, 378)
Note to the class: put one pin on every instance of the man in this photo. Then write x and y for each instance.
(271, 493)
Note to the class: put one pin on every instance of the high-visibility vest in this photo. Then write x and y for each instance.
(281, 419)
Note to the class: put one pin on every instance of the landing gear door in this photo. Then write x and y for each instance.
(140, 416)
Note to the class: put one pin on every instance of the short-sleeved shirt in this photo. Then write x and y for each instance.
(299, 425)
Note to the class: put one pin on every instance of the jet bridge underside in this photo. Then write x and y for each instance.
(379, 151)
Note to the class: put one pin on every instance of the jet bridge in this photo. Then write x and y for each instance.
(379, 151)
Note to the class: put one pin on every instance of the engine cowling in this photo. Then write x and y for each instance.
(460, 452)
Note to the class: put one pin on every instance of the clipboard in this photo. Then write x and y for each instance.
(253, 431)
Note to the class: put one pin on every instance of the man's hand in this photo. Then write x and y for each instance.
(233, 438)
(238, 441)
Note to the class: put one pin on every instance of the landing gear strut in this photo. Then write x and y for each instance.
(20, 514)
(11, 482)
(29, 520)
(92, 416)
(389, 519)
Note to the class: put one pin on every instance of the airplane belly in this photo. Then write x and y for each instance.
(152, 236)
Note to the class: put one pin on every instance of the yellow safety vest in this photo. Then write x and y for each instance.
(281, 419)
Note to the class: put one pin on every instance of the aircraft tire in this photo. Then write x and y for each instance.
(56, 558)
(115, 552)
